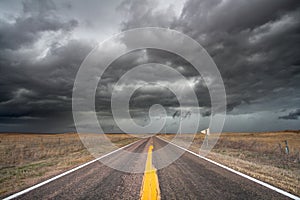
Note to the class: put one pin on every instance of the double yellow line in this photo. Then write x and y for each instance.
(150, 188)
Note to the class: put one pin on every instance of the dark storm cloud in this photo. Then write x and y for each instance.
(37, 17)
(254, 43)
(44, 86)
(143, 98)
(231, 16)
(292, 115)
(38, 88)
(151, 94)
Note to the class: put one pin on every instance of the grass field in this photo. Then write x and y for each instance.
(260, 155)
(27, 159)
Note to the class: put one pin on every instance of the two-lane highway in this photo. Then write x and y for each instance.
(189, 177)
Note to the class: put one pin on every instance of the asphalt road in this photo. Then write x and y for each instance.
(189, 177)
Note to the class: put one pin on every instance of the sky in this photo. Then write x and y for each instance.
(254, 43)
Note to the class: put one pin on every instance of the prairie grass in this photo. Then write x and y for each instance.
(260, 155)
(26, 159)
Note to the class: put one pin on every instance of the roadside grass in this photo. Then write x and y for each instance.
(260, 155)
(27, 159)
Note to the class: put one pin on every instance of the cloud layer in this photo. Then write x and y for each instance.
(254, 44)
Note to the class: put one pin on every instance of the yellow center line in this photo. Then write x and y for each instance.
(150, 188)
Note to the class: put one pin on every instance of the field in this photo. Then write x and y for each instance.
(27, 159)
(260, 155)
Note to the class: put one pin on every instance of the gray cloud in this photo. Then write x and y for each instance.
(36, 19)
(36, 78)
(42, 90)
(152, 93)
(254, 44)
(292, 115)
(145, 13)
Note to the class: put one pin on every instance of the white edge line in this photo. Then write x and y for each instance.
(65, 173)
(239, 173)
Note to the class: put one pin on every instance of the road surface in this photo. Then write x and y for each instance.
(189, 177)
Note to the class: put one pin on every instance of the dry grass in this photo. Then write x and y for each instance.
(260, 155)
(27, 159)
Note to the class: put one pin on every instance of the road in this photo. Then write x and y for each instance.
(189, 177)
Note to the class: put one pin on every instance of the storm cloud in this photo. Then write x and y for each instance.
(255, 45)
(294, 115)
(38, 66)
